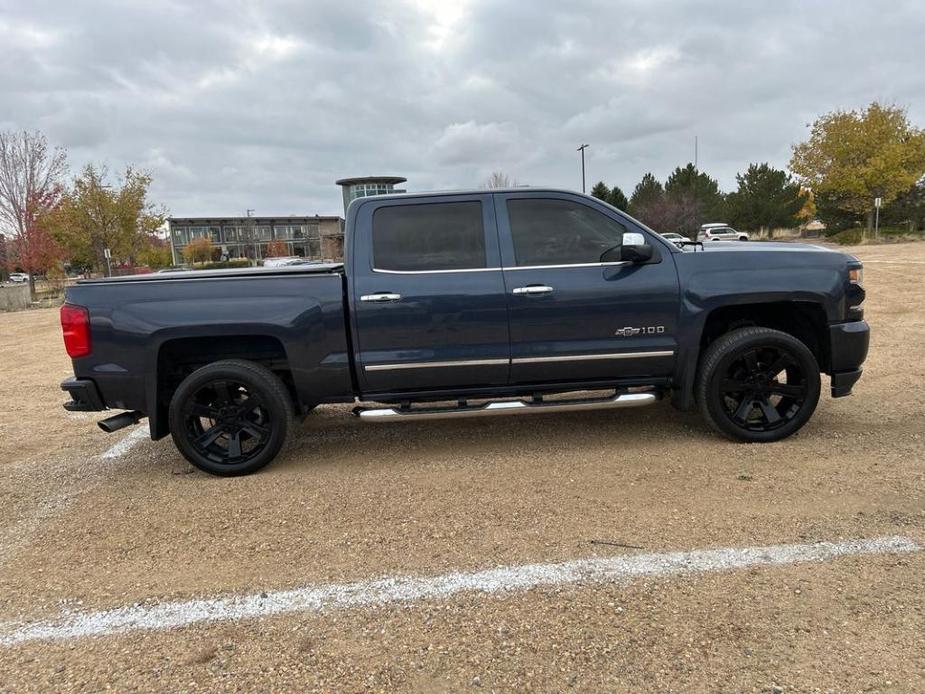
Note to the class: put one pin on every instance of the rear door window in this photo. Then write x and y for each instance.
(429, 237)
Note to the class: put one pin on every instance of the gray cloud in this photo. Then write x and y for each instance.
(235, 105)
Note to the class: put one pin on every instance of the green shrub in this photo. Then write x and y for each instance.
(903, 230)
(224, 264)
(848, 237)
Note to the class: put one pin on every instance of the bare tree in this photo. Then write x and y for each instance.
(29, 171)
(30, 184)
(499, 179)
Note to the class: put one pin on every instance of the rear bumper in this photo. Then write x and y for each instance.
(85, 397)
(849, 343)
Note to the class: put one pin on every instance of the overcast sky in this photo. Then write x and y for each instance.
(235, 105)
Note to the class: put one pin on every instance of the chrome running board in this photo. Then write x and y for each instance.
(490, 409)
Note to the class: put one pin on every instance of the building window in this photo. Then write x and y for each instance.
(198, 233)
(215, 234)
(364, 190)
(180, 236)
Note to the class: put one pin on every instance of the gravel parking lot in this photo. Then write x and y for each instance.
(83, 530)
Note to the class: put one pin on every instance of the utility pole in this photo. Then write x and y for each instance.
(695, 151)
(582, 150)
(104, 223)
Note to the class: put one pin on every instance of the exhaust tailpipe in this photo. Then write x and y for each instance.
(120, 421)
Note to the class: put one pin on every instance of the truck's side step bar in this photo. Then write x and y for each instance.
(407, 414)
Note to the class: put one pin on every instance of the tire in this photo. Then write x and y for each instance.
(230, 417)
(743, 238)
(757, 384)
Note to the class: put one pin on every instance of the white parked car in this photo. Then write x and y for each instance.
(19, 277)
(675, 238)
(720, 232)
(281, 261)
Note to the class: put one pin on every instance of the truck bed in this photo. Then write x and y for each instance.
(142, 323)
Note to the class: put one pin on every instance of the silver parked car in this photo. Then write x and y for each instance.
(720, 232)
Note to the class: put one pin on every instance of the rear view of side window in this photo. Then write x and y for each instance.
(422, 238)
(560, 232)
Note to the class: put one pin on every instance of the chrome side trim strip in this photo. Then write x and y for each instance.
(436, 364)
(519, 360)
(588, 357)
(557, 267)
(498, 269)
(393, 414)
(436, 272)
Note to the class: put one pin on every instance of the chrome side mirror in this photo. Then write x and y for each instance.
(634, 248)
(633, 238)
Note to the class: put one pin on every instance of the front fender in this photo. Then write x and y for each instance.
(714, 280)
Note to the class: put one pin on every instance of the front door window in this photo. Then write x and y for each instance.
(560, 232)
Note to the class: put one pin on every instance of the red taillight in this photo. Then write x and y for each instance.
(75, 322)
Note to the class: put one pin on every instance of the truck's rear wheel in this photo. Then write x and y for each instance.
(230, 417)
(758, 384)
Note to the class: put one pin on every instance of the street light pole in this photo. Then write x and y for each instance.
(253, 232)
(582, 150)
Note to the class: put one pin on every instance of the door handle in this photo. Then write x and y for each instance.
(533, 289)
(380, 296)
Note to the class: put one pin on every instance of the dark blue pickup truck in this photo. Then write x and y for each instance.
(470, 304)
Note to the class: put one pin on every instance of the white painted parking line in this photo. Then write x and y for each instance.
(407, 589)
(127, 443)
(895, 262)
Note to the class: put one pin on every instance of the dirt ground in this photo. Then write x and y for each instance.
(349, 501)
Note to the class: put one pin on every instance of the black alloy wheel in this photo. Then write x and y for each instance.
(230, 417)
(763, 388)
(226, 422)
(758, 384)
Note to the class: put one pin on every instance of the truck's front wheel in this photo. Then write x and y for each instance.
(758, 384)
(230, 417)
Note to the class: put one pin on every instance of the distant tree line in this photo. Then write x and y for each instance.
(850, 159)
(766, 198)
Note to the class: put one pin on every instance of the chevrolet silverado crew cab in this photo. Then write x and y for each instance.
(469, 304)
